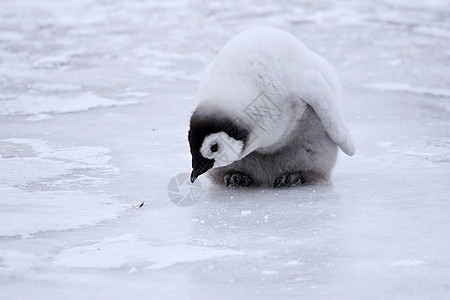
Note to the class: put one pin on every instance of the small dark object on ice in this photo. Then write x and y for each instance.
(140, 205)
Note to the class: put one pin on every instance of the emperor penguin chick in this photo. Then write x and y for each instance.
(268, 113)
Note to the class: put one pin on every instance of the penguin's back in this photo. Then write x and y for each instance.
(262, 60)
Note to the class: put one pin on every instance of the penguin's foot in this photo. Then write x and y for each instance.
(289, 180)
(236, 179)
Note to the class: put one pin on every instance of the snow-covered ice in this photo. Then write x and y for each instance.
(38, 105)
(95, 98)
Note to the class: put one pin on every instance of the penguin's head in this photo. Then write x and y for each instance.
(215, 141)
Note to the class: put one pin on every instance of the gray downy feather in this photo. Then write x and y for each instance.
(308, 150)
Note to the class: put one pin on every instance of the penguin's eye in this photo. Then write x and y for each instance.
(214, 148)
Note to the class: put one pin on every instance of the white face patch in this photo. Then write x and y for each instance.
(222, 148)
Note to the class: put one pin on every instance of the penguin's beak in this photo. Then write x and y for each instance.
(200, 166)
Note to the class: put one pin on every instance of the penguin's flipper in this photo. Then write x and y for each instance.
(318, 94)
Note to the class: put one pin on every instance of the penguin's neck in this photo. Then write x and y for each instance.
(272, 130)
(269, 124)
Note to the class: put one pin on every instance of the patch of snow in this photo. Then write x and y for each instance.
(130, 251)
(384, 144)
(55, 87)
(41, 190)
(33, 105)
(433, 31)
(445, 105)
(291, 263)
(407, 263)
(39, 117)
(269, 272)
(134, 94)
(245, 213)
(15, 264)
(405, 87)
(24, 213)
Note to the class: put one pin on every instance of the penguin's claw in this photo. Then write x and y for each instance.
(236, 179)
(288, 180)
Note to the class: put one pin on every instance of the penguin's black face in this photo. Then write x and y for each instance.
(215, 142)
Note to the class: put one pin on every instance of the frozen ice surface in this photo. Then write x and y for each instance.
(95, 98)
(39, 105)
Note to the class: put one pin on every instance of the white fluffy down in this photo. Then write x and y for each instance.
(228, 149)
(274, 63)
